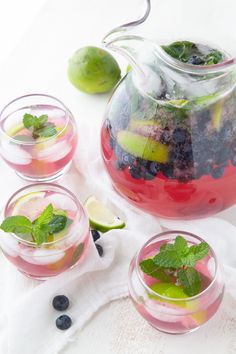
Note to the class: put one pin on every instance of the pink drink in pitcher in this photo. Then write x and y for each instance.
(62, 249)
(164, 304)
(41, 154)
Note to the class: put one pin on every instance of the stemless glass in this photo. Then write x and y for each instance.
(67, 247)
(176, 315)
(42, 159)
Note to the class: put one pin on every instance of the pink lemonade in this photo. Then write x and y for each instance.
(175, 315)
(64, 249)
(43, 158)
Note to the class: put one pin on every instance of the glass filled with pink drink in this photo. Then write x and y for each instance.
(180, 299)
(45, 230)
(38, 137)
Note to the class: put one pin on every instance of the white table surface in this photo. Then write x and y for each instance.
(38, 64)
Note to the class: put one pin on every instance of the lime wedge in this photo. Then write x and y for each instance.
(14, 130)
(143, 147)
(100, 217)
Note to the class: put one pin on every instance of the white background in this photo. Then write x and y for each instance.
(15, 17)
(116, 329)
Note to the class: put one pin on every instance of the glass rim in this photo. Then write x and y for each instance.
(80, 213)
(166, 298)
(68, 114)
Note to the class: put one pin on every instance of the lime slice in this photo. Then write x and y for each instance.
(169, 290)
(173, 291)
(15, 129)
(100, 217)
(30, 205)
(143, 147)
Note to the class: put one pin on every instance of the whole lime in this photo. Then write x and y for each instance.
(93, 70)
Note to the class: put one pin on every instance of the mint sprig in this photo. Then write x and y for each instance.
(177, 260)
(39, 126)
(40, 229)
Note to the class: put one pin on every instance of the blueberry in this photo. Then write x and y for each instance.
(165, 137)
(120, 165)
(180, 135)
(148, 176)
(99, 249)
(63, 322)
(127, 159)
(60, 302)
(95, 235)
(112, 143)
(142, 163)
(195, 60)
(217, 172)
(167, 171)
(184, 178)
(118, 151)
(223, 156)
(226, 133)
(154, 168)
(135, 172)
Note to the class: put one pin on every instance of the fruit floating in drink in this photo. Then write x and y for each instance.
(169, 136)
(175, 282)
(45, 230)
(38, 137)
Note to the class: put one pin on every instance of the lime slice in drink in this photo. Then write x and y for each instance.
(14, 130)
(30, 205)
(143, 147)
(168, 290)
(100, 217)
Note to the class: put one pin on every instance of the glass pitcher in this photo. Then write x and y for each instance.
(169, 134)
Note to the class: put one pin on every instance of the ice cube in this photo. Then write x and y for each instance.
(9, 245)
(55, 152)
(60, 201)
(42, 256)
(167, 313)
(13, 153)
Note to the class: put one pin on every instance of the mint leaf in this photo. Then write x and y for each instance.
(167, 246)
(181, 245)
(40, 233)
(45, 132)
(189, 260)
(191, 281)
(57, 224)
(46, 215)
(42, 120)
(168, 259)
(39, 126)
(28, 120)
(150, 268)
(17, 224)
(199, 251)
